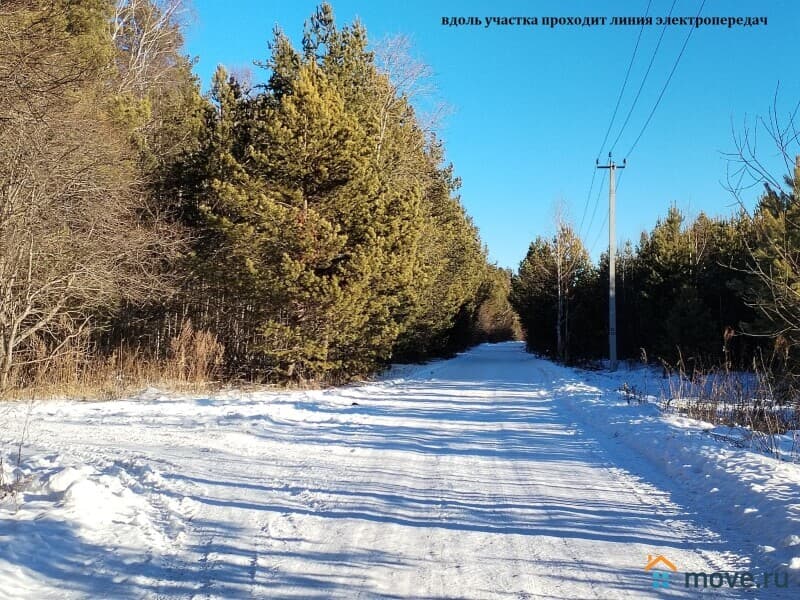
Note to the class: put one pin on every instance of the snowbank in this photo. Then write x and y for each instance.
(754, 494)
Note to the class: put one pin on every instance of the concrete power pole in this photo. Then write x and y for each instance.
(612, 259)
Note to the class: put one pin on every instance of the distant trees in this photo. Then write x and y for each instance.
(679, 295)
(710, 292)
(545, 290)
(496, 319)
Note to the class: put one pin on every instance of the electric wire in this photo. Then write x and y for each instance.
(666, 84)
(588, 199)
(611, 123)
(605, 219)
(625, 81)
(597, 204)
(644, 79)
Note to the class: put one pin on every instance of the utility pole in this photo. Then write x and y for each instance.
(612, 258)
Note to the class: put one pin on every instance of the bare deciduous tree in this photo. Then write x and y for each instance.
(411, 79)
(72, 242)
(147, 36)
(774, 243)
(570, 262)
(75, 238)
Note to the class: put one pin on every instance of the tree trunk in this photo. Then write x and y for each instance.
(5, 364)
(559, 319)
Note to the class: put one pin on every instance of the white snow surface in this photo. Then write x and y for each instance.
(495, 474)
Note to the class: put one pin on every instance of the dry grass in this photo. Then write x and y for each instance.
(721, 397)
(193, 363)
(13, 487)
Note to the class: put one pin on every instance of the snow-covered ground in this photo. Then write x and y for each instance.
(491, 475)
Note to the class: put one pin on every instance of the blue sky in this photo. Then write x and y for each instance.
(530, 105)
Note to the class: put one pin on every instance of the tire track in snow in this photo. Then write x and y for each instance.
(655, 500)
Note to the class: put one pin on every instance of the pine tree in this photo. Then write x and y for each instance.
(534, 295)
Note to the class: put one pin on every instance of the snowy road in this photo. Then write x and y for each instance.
(477, 477)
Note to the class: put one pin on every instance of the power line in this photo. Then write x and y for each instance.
(666, 84)
(596, 204)
(576, 256)
(599, 191)
(646, 74)
(586, 204)
(610, 125)
(624, 82)
(599, 234)
(605, 219)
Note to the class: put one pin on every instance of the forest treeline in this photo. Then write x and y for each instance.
(705, 293)
(307, 228)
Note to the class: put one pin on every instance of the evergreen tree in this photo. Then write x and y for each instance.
(534, 295)
(328, 216)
